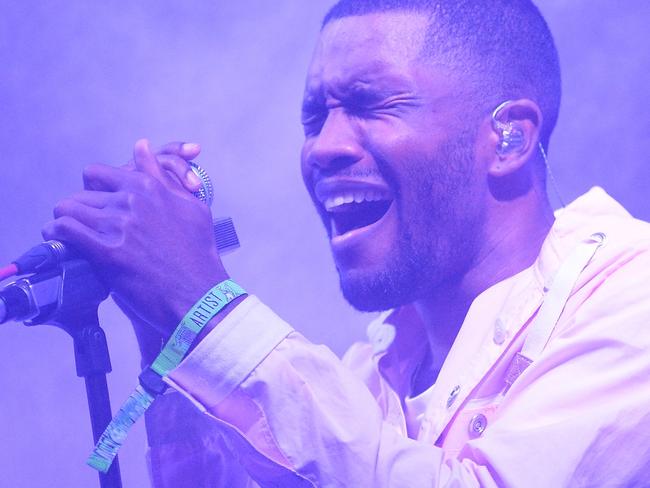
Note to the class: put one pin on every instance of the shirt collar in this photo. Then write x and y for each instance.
(398, 336)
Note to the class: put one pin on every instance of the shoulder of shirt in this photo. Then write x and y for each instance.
(625, 237)
(595, 212)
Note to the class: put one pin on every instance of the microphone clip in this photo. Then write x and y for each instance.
(61, 296)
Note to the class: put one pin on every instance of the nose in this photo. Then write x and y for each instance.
(337, 145)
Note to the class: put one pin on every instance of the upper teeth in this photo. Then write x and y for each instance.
(358, 196)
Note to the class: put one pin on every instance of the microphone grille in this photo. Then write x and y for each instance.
(225, 235)
(206, 192)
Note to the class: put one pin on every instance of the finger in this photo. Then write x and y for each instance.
(70, 230)
(145, 160)
(185, 150)
(174, 174)
(182, 170)
(130, 165)
(98, 199)
(87, 215)
(102, 177)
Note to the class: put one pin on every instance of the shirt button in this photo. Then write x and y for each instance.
(382, 337)
(477, 425)
(499, 332)
(452, 396)
(598, 237)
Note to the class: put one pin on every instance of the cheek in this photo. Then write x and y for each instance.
(306, 169)
(401, 155)
(401, 140)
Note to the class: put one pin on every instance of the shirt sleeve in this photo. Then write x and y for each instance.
(294, 415)
(186, 448)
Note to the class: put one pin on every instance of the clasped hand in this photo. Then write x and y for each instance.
(149, 239)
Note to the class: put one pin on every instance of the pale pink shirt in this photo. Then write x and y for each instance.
(296, 415)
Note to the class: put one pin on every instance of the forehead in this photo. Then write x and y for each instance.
(382, 45)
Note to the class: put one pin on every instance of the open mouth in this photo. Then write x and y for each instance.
(353, 206)
(356, 215)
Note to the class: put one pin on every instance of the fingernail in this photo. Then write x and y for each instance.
(191, 147)
(193, 179)
(143, 143)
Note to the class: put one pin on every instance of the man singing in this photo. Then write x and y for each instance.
(514, 347)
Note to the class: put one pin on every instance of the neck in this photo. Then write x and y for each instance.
(511, 240)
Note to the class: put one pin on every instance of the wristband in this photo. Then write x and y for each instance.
(151, 379)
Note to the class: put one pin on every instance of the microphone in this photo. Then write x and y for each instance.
(50, 254)
(31, 297)
(28, 298)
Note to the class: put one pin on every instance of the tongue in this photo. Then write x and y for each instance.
(357, 215)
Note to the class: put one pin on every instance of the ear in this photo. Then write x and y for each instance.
(514, 137)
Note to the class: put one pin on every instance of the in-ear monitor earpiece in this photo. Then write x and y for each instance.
(510, 137)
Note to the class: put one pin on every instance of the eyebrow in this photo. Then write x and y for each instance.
(358, 92)
(362, 92)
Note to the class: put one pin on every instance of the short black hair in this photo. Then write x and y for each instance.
(503, 47)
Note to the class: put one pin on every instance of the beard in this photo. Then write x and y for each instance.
(438, 231)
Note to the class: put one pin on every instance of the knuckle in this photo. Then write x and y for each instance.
(60, 226)
(173, 159)
(63, 207)
(177, 164)
(131, 200)
(64, 222)
(134, 201)
(113, 249)
(148, 183)
(129, 165)
(47, 231)
(90, 170)
(174, 147)
(123, 199)
(89, 175)
(121, 223)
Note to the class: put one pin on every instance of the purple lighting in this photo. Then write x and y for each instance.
(82, 81)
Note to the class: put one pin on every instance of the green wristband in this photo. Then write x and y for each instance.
(193, 322)
(169, 358)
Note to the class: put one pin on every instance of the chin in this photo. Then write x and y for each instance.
(378, 290)
(405, 275)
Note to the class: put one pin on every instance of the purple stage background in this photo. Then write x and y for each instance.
(81, 81)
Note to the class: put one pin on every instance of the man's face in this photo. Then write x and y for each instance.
(388, 160)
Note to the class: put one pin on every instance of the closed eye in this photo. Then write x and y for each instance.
(391, 108)
(312, 122)
(314, 115)
(395, 104)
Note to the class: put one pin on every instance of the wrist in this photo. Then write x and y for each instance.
(184, 294)
(212, 324)
(150, 341)
(151, 380)
(209, 306)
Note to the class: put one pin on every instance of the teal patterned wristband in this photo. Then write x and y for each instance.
(151, 383)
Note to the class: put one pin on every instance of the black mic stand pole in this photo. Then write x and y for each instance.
(80, 294)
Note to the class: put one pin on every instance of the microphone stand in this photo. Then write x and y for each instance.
(79, 295)
(64, 291)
